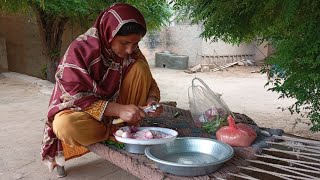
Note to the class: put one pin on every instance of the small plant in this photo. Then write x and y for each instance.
(44, 72)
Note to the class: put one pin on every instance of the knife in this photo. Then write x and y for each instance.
(150, 108)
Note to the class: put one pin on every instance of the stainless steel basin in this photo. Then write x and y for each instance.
(190, 156)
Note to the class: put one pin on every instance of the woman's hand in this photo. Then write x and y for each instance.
(158, 111)
(128, 113)
(131, 113)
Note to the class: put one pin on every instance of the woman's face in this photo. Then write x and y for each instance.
(123, 46)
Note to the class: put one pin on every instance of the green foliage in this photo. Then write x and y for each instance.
(43, 72)
(14, 6)
(54, 53)
(293, 29)
(213, 126)
(156, 12)
(113, 143)
(53, 15)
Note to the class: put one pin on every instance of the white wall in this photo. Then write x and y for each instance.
(262, 51)
(152, 43)
(184, 39)
(222, 48)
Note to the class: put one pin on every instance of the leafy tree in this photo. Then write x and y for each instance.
(53, 15)
(293, 29)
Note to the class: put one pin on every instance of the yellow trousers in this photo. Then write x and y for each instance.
(77, 129)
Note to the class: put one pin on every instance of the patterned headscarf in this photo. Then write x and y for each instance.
(89, 71)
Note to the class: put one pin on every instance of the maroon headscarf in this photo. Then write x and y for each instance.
(89, 71)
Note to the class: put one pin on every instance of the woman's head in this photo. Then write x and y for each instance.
(131, 28)
(127, 39)
(120, 25)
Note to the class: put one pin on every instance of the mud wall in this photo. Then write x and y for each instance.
(24, 53)
(23, 45)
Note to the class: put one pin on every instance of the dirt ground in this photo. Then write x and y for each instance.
(24, 100)
(242, 90)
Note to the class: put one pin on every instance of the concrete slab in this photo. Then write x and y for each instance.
(23, 106)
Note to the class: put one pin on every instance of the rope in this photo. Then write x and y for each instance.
(291, 145)
(297, 154)
(284, 176)
(244, 176)
(301, 148)
(286, 168)
(264, 171)
(315, 171)
(306, 166)
(291, 152)
(307, 141)
(287, 160)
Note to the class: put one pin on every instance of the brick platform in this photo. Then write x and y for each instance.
(143, 168)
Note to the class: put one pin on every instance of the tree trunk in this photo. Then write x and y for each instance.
(51, 30)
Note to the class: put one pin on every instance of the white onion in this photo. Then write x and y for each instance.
(119, 133)
(126, 135)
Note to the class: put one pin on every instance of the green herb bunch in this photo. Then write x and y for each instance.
(213, 126)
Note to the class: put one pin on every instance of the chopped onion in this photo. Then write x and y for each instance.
(126, 129)
(134, 129)
(148, 135)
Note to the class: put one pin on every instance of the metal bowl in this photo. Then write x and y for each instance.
(190, 156)
(137, 146)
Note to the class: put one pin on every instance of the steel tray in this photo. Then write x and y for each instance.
(190, 156)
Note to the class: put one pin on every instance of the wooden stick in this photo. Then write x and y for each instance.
(225, 66)
(215, 64)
